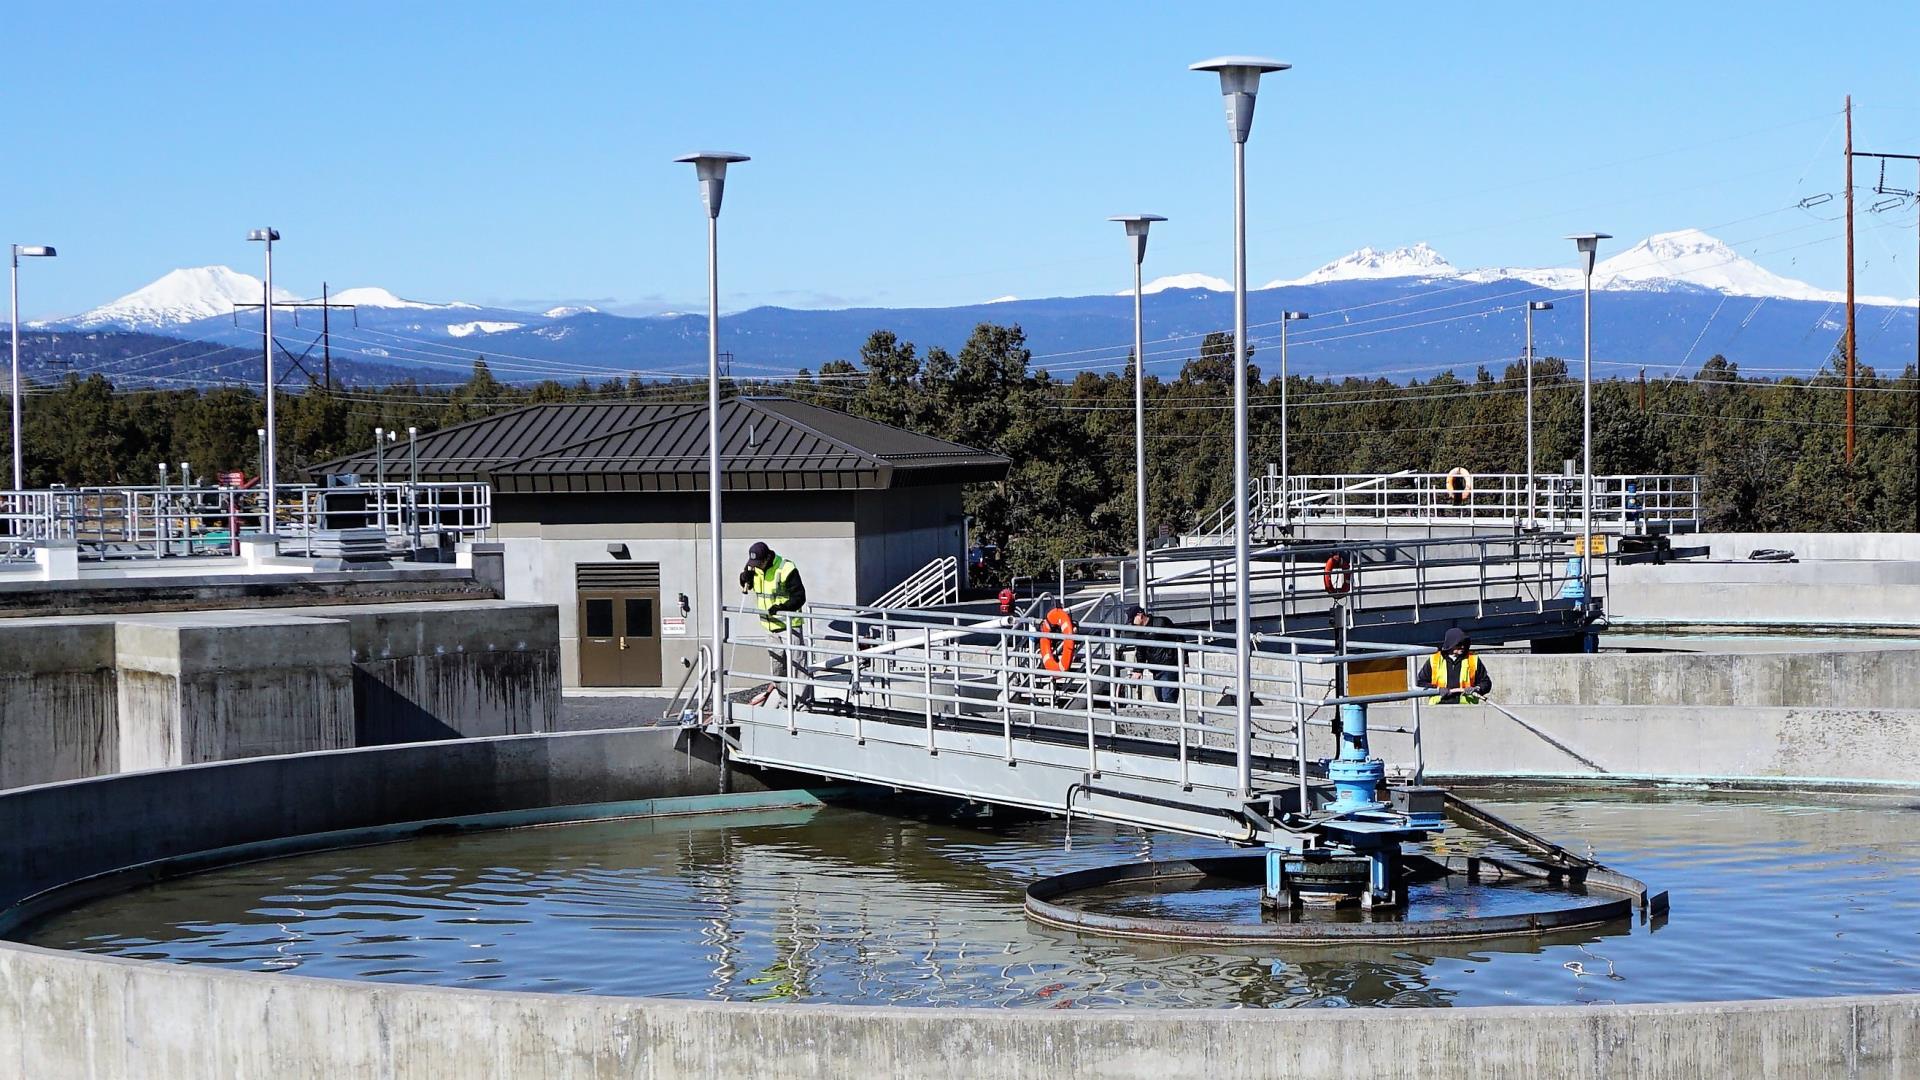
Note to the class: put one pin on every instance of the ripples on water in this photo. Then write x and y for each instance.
(1773, 897)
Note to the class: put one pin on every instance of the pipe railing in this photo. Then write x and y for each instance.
(160, 521)
(939, 667)
(1625, 504)
(934, 584)
(1296, 581)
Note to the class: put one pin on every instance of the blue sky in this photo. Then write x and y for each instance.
(923, 154)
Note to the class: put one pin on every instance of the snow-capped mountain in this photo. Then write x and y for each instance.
(375, 297)
(1368, 263)
(179, 296)
(1692, 257)
(1183, 281)
(568, 311)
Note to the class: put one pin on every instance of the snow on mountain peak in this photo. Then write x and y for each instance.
(1692, 257)
(1182, 281)
(372, 296)
(567, 310)
(1419, 260)
(179, 296)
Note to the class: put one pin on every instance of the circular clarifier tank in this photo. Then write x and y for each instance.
(1774, 895)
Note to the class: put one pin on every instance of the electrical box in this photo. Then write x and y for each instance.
(1384, 676)
(1424, 801)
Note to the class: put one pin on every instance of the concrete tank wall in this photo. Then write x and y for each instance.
(70, 1014)
(212, 688)
(59, 713)
(87, 695)
(1757, 593)
(1886, 678)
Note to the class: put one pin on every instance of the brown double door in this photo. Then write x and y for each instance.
(619, 632)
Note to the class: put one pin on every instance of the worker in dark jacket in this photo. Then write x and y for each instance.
(1160, 656)
(1455, 671)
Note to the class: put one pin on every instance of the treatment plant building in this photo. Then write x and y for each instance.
(601, 508)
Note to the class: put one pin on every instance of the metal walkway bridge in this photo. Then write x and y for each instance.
(1007, 710)
(1503, 588)
(1410, 503)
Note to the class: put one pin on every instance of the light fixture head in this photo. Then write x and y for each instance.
(267, 235)
(1239, 82)
(1540, 305)
(1588, 243)
(711, 167)
(1137, 225)
(1294, 316)
(37, 251)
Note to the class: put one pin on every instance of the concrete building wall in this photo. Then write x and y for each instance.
(849, 547)
(902, 530)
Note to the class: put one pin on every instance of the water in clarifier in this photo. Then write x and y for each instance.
(1776, 895)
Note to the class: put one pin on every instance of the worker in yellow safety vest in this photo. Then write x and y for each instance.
(1455, 671)
(776, 587)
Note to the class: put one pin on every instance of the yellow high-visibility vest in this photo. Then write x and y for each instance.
(772, 586)
(1469, 670)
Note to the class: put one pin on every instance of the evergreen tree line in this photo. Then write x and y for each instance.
(1771, 452)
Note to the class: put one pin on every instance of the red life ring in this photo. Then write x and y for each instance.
(1058, 622)
(1336, 564)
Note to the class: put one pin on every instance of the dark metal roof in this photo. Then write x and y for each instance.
(766, 444)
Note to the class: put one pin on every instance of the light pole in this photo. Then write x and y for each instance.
(1588, 244)
(1532, 306)
(1239, 82)
(1137, 232)
(711, 168)
(269, 468)
(381, 437)
(28, 251)
(1286, 467)
(413, 486)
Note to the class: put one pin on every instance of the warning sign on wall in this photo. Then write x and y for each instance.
(673, 626)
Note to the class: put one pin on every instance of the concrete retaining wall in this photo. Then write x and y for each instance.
(1676, 742)
(73, 1015)
(1804, 593)
(1886, 678)
(86, 695)
(59, 716)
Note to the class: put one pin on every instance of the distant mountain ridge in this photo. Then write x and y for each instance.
(1672, 300)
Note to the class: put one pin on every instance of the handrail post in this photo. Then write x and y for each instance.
(1180, 700)
(1300, 723)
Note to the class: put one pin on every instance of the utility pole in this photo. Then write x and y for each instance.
(1851, 339)
(1881, 188)
(326, 340)
(1643, 389)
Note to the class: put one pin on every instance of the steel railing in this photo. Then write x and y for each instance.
(132, 522)
(1413, 578)
(899, 675)
(1622, 504)
(934, 584)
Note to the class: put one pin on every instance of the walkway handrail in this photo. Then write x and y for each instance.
(1623, 503)
(163, 520)
(942, 666)
(934, 584)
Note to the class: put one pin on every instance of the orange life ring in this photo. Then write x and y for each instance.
(1336, 564)
(1058, 622)
(1460, 484)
